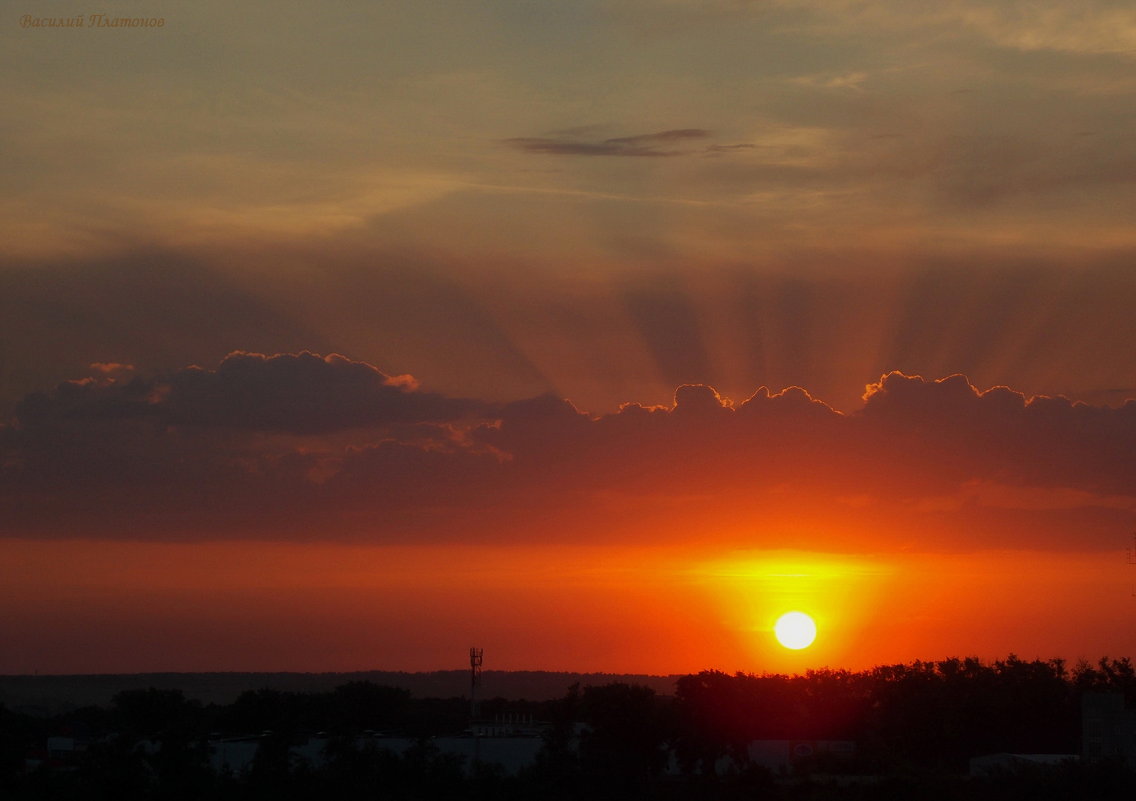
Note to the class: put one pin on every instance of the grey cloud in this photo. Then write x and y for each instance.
(660, 144)
(730, 148)
(562, 148)
(99, 457)
(301, 393)
(698, 399)
(662, 136)
(1000, 433)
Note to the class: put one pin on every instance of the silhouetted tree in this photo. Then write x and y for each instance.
(1109, 675)
(154, 713)
(622, 745)
(361, 705)
(556, 771)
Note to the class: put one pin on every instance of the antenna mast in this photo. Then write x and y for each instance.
(475, 657)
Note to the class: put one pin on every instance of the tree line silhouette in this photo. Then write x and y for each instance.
(914, 727)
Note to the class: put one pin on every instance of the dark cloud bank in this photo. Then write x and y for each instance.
(301, 446)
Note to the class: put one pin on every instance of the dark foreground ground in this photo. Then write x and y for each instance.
(894, 732)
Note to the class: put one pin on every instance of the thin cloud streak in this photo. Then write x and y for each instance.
(640, 145)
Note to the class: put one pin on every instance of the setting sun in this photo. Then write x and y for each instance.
(795, 630)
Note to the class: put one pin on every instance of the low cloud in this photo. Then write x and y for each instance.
(301, 393)
(301, 446)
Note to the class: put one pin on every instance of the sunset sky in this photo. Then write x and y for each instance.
(345, 336)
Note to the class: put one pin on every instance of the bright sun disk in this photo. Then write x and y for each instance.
(795, 630)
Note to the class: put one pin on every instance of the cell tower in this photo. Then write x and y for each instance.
(475, 657)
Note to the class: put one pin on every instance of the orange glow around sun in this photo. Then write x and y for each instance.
(841, 593)
(636, 610)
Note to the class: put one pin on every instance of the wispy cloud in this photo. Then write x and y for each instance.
(660, 144)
